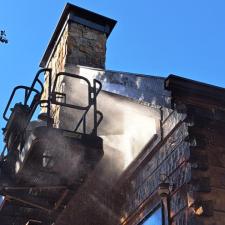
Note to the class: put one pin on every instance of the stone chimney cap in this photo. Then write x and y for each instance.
(82, 16)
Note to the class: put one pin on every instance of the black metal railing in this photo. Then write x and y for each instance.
(33, 96)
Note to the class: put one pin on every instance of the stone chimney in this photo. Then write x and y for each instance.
(79, 39)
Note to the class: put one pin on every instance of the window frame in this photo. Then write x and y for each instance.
(159, 206)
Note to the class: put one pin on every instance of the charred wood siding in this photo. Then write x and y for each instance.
(171, 158)
(205, 108)
(207, 188)
(190, 154)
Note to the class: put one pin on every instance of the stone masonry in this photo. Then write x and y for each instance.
(77, 45)
(85, 46)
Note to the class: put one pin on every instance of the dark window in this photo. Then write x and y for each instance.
(1, 199)
(155, 218)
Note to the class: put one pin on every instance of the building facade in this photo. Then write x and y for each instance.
(163, 138)
(184, 149)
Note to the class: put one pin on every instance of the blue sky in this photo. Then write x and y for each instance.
(156, 37)
(155, 218)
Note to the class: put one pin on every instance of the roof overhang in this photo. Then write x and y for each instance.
(183, 87)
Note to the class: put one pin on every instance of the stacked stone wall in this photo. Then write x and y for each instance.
(85, 46)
